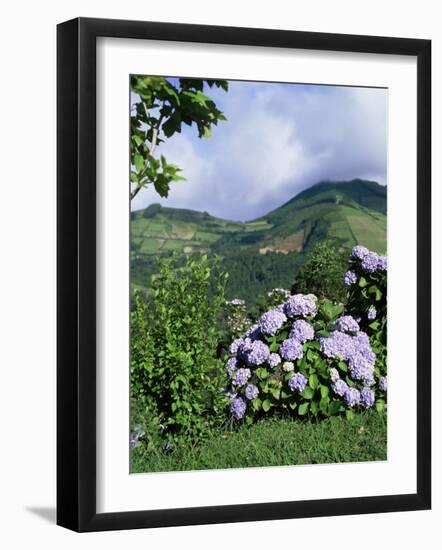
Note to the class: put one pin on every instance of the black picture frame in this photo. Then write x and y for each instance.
(76, 274)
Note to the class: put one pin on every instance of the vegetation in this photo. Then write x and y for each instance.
(228, 367)
(175, 373)
(265, 253)
(277, 441)
(321, 274)
(367, 300)
(163, 106)
(306, 359)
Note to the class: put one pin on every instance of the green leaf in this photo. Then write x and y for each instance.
(276, 393)
(139, 162)
(362, 282)
(266, 405)
(334, 407)
(349, 414)
(313, 381)
(342, 366)
(307, 393)
(380, 405)
(257, 404)
(207, 133)
(323, 404)
(262, 373)
(324, 391)
(303, 408)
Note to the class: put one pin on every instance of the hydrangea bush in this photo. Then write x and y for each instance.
(366, 281)
(312, 357)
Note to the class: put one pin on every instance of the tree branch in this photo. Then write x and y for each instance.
(135, 192)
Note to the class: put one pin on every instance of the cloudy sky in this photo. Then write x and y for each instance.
(278, 140)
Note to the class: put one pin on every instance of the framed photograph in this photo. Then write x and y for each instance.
(231, 205)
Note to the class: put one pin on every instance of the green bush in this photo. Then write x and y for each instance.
(367, 301)
(322, 273)
(281, 368)
(315, 357)
(174, 369)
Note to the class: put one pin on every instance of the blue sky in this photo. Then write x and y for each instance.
(278, 140)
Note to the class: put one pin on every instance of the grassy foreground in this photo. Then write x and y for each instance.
(275, 442)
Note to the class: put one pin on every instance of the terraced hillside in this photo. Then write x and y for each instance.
(265, 252)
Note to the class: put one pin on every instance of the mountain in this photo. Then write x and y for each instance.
(267, 251)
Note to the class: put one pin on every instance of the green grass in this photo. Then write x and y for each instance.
(150, 246)
(369, 231)
(275, 442)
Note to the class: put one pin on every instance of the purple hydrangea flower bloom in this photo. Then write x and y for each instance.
(340, 387)
(382, 264)
(257, 353)
(231, 365)
(350, 278)
(352, 397)
(241, 377)
(360, 367)
(253, 333)
(370, 262)
(362, 347)
(274, 360)
(238, 408)
(361, 340)
(235, 345)
(251, 391)
(271, 321)
(371, 313)
(297, 382)
(347, 324)
(300, 305)
(383, 383)
(337, 345)
(302, 331)
(367, 397)
(359, 252)
(291, 349)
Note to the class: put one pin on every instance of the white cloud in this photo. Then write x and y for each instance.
(277, 141)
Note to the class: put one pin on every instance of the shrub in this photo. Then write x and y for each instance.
(366, 280)
(322, 272)
(174, 369)
(310, 357)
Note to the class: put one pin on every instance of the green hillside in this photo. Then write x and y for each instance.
(266, 252)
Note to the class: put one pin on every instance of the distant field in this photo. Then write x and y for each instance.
(159, 234)
(348, 213)
(369, 231)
